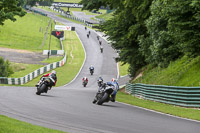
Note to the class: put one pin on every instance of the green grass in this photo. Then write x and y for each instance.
(68, 1)
(9, 125)
(20, 69)
(105, 16)
(80, 10)
(27, 33)
(161, 107)
(67, 72)
(52, 59)
(182, 72)
(123, 69)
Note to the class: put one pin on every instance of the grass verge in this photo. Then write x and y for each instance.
(27, 33)
(9, 125)
(75, 58)
(189, 113)
(123, 69)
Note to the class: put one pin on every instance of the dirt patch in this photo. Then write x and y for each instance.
(14, 50)
(22, 56)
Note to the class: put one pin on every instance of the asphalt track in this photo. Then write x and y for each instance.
(69, 108)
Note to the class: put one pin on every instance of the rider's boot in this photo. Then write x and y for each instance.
(112, 98)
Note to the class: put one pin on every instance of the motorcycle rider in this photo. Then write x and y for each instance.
(101, 49)
(52, 76)
(84, 79)
(116, 86)
(100, 79)
(91, 68)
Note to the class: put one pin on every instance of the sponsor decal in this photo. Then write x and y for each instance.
(62, 27)
(62, 4)
(58, 34)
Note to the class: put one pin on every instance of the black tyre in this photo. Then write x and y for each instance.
(94, 101)
(103, 99)
(37, 93)
(41, 89)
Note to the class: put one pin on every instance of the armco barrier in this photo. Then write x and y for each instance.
(181, 96)
(30, 76)
(53, 52)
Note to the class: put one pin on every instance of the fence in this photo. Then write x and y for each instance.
(181, 96)
(30, 76)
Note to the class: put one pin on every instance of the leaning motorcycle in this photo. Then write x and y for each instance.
(43, 86)
(104, 94)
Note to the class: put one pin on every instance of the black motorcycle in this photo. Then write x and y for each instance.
(91, 71)
(104, 94)
(84, 83)
(44, 86)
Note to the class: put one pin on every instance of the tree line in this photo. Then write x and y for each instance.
(151, 31)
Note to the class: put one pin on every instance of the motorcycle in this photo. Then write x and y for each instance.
(84, 83)
(91, 71)
(43, 86)
(101, 49)
(104, 94)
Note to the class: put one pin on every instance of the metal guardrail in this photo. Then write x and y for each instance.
(181, 96)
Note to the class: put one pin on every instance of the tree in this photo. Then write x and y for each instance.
(159, 47)
(5, 69)
(9, 9)
(184, 25)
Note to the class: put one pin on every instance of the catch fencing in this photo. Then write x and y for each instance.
(181, 96)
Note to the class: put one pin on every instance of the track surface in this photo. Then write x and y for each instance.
(69, 108)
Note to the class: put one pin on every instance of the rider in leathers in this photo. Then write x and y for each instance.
(52, 76)
(116, 86)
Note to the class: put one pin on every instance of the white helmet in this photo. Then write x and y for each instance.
(54, 72)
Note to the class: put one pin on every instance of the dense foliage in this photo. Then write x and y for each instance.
(9, 9)
(5, 68)
(152, 31)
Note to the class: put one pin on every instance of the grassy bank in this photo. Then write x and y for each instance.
(182, 72)
(123, 69)
(27, 33)
(9, 125)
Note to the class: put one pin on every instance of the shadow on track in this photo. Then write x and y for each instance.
(108, 105)
(47, 96)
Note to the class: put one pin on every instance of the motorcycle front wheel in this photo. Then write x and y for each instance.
(103, 99)
(41, 89)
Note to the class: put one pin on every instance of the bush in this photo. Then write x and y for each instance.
(5, 68)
